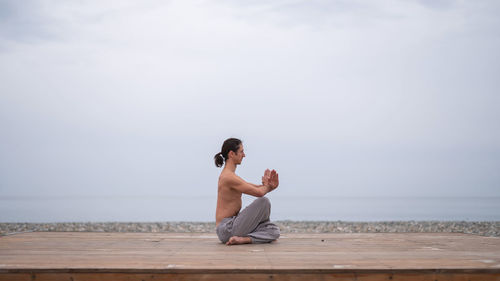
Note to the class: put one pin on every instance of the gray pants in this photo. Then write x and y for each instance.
(252, 222)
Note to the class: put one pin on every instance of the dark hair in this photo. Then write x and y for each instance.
(230, 144)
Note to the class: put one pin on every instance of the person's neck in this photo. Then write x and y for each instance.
(231, 166)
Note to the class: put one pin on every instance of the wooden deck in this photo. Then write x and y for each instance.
(196, 256)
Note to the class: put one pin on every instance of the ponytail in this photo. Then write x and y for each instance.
(219, 160)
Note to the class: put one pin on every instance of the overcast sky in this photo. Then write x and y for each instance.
(343, 98)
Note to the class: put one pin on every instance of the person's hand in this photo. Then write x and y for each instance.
(266, 177)
(270, 179)
(273, 179)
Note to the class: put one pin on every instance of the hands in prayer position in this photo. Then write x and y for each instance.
(270, 179)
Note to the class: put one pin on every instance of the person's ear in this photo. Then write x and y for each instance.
(229, 154)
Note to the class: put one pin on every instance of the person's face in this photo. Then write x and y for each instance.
(239, 155)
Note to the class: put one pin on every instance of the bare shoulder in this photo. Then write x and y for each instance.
(224, 177)
(229, 179)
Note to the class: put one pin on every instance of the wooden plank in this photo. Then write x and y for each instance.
(415, 276)
(175, 256)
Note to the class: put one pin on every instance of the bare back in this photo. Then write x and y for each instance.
(228, 198)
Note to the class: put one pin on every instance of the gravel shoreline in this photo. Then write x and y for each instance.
(484, 228)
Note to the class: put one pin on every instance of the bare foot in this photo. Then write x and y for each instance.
(236, 240)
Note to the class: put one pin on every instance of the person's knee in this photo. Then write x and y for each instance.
(264, 201)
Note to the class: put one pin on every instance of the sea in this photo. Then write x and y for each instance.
(202, 208)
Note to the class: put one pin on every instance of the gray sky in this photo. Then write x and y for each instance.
(343, 98)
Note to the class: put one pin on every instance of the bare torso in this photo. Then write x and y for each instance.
(228, 199)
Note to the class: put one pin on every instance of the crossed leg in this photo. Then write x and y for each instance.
(252, 225)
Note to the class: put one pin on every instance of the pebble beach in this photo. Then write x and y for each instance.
(483, 228)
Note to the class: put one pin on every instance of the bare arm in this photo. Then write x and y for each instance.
(248, 188)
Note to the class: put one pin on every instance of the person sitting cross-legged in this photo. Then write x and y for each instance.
(252, 224)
